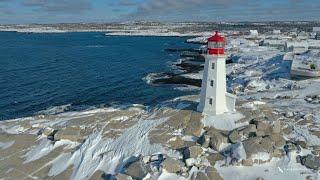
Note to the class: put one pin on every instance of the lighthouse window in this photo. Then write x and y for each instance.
(212, 65)
(211, 83)
(210, 101)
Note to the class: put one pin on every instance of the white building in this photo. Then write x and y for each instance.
(296, 47)
(254, 33)
(316, 29)
(316, 32)
(276, 31)
(274, 43)
(214, 98)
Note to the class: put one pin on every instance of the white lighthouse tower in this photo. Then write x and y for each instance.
(214, 99)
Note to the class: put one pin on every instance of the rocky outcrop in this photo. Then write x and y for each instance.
(192, 152)
(234, 136)
(173, 166)
(214, 157)
(69, 133)
(194, 126)
(179, 144)
(217, 138)
(136, 169)
(120, 176)
(213, 174)
(311, 162)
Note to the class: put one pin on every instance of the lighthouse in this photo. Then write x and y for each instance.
(214, 99)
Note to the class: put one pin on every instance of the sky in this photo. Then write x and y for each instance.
(100, 11)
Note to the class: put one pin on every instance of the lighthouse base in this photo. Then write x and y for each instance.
(213, 111)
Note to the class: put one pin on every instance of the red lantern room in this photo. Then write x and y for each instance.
(216, 44)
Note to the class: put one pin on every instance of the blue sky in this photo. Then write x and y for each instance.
(55, 11)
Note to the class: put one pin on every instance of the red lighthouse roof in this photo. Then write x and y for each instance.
(216, 38)
(216, 44)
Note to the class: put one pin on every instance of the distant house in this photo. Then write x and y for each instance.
(275, 31)
(316, 32)
(316, 29)
(297, 47)
(302, 36)
(254, 33)
(279, 43)
(314, 44)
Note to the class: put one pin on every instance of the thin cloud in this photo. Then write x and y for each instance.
(232, 10)
(59, 6)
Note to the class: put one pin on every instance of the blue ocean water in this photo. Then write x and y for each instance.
(39, 71)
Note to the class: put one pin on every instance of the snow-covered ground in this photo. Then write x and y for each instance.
(77, 145)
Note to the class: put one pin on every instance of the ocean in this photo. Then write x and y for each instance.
(74, 71)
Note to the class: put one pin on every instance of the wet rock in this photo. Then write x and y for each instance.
(176, 79)
(213, 174)
(213, 158)
(172, 165)
(192, 152)
(234, 136)
(311, 162)
(136, 170)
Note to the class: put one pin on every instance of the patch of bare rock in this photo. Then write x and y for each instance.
(201, 147)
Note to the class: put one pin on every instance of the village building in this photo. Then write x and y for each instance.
(297, 47)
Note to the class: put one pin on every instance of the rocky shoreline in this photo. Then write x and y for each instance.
(170, 141)
(191, 62)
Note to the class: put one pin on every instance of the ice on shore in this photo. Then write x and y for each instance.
(109, 155)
